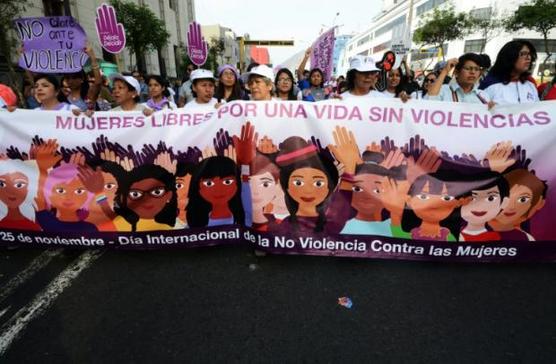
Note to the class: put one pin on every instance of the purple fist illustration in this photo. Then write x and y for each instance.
(110, 33)
(197, 47)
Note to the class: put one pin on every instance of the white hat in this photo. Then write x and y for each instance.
(127, 79)
(363, 64)
(260, 70)
(201, 74)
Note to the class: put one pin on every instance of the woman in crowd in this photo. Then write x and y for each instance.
(285, 89)
(429, 79)
(229, 85)
(312, 88)
(126, 92)
(159, 94)
(202, 85)
(509, 80)
(259, 81)
(361, 78)
(464, 85)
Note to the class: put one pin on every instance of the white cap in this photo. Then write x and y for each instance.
(201, 74)
(260, 70)
(363, 64)
(127, 79)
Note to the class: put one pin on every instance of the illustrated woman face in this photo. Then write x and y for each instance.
(519, 205)
(431, 207)
(68, 196)
(484, 206)
(182, 189)
(148, 197)
(218, 190)
(308, 187)
(263, 189)
(366, 193)
(13, 189)
(110, 187)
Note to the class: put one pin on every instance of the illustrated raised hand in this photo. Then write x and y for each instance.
(393, 196)
(207, 153)
(197, 47)
(245, 144)
(127, 164)
(77, 158)
(520, 156)
(374, 147)
(222, 141)
(345, 150)
(110, 32)
(323, 151)
(394, 159)
(165, 161)
(14, 153)
(498, 158)
(230, 152)
(387, 145)
(91, 179)
(266, 146)
(428, 162)
(46, 154)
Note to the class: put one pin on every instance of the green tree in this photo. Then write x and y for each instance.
(488, 24)
(144, 32)
(10, 10)
(216, 50)
(539, 16)
(441, 26)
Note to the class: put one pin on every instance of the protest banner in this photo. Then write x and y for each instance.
(197, 47)
(110, 33)
(323, 53)
(374, 178)
(53, 44)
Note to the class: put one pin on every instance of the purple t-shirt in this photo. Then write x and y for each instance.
(49, 222)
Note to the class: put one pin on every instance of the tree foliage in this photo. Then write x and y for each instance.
(143, 30)
(216, 50)
(10, 10)
(441, 26)
(539, 16)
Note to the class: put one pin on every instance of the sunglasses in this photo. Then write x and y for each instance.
(427, 80)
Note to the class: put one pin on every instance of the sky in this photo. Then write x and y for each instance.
(287, 19)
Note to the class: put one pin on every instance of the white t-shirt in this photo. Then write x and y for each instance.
(372, 93)
(514, 92)
(186, 92)
(387, 93)
(63, 106)
(194, 106)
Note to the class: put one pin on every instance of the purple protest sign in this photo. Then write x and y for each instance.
(110, 33)
(323, 52)
(51, 44)
(197, 47)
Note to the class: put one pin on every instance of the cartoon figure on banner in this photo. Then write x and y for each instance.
(385, 65)
(309, 179)
(146, 199)
(265, 185)
(219, 193)
(19, 182)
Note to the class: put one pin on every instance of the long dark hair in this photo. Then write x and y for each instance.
(168, 213)
(317, 70)
(291, 94)
(506, 58)
(237, 91)
(54, 81)
(198, 209)
(310, 160)
(84, 91)
(162, 82)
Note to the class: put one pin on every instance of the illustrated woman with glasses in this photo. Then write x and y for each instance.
(146, 200)
(285, 89)
(509, 80)
(464, 86)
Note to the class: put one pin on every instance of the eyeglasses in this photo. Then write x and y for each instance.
(284, 80)
(472, 69)
(525, 54)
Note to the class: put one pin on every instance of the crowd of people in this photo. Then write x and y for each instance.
(411, 191)
(469, 78)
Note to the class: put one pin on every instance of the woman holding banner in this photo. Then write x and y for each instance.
(312, 88)
(361, 78)
(229, 88)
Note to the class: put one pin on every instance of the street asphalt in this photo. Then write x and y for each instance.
(224, 304)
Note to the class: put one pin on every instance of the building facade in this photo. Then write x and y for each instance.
(397, 16)
(230, 53)
(176, 15)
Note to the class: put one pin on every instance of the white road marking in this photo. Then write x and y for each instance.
(18, 322)
(36, 264)
(4, 311)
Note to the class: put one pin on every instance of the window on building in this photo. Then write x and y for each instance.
(474, 45)
(363, 40)
(396, 23)
(539, 44)
(429, 5)
(53, 7)
(382, 47)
